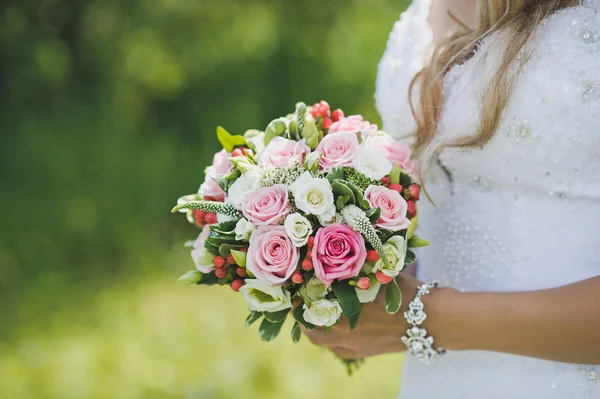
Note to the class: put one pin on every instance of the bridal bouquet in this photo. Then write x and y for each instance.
(310, 217)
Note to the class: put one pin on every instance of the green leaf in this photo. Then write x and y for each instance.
(405, 180)
(348, 298)
(373, 214)
(384, 235)
(417, 242)
(411, 256)
(340, 189)
(296, 332)
(208, 279)
(218, 240)
(393, 297)
(395, 174)
(229, 141)
(252, 317)
(341, 202)
(239, 257)
(276, 317)
(191, 277)
(269, 331)
(225, 249)
(298, 314)
(353, 320)
(359, 195)
(335, 174)
(224, 228)
(277, 127)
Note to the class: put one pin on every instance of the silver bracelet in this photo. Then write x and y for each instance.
(416, 340)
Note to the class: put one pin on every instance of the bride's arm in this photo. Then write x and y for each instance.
(560, 324)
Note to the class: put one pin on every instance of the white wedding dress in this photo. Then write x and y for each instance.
(523, 212)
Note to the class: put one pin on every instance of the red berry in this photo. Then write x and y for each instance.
(372, 256)
(240, 271)
(309, 254)
(326, 123)
(414, 191)
(363, 283)
(238, 152)
(412, 209)
(382, 278)
(199, 217)
(337, 115)
(237, 284)
(211, 218)
(230, 259)
(311, 242)
(218, 261)
(297, 278)
(221, 273)
(244, 249)
(324, 104)
(385, 180)
(209, 198)
(396, 187)
(307, 265)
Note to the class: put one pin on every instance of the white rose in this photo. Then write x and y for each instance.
(298, 228)
(246, 183)
(243, 230)
(322, 312)
(371, 163)
(313, 291)
(369, 294)
(314, 196)
(395, 253)
(261, 297)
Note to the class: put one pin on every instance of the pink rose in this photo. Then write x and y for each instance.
(272, 257)
(338, 149)
(200, 255)
(353, 123)
(338, 253)
(210, 190)
(283, 152)
(396, 152)
(267, 205)
(221, 165)
(393, 207)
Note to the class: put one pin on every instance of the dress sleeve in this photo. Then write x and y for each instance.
(409, 45)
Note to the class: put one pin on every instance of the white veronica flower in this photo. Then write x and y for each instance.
(246, 183)
(395, 253)
(322, 312)
(314, 291)
(243, 230)
(314, 196)
(298, 228)
(370, 162)
(368, 295)
(261, 297)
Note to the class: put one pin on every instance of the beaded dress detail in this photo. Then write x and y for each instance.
(521, 213)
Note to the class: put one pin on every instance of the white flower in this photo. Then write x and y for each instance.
(243, 230)
(314, 291)
(395, 252)
(322, 312)
(369, 294)
(261, 297)
(298, 228)
(311, 161)
(372, 163)
(314, 196)
(246, 183)
(258, 142)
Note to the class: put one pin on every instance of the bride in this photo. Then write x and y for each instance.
(501, 99)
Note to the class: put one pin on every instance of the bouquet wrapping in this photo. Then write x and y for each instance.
(311, 217)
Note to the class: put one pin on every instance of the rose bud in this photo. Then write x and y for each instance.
(218, 261)
(237, 284)
(297, 278)
(414, 191)
(412, 208)
(382, 278)
(385, 180)
(396, 187)
(307, 265)
(372, 256)
(240, 271)
(221, 273)
(230, 260)
(337, 115)
(238, 152)
(363, 283)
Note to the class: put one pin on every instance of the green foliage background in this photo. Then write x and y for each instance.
(108, 111)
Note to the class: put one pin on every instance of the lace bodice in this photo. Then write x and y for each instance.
(523, 211)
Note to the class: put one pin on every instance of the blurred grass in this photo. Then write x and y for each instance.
(107, 115)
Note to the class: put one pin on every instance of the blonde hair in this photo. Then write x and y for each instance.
(518, 19)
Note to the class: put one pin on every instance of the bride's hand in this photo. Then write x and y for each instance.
(377, 331)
